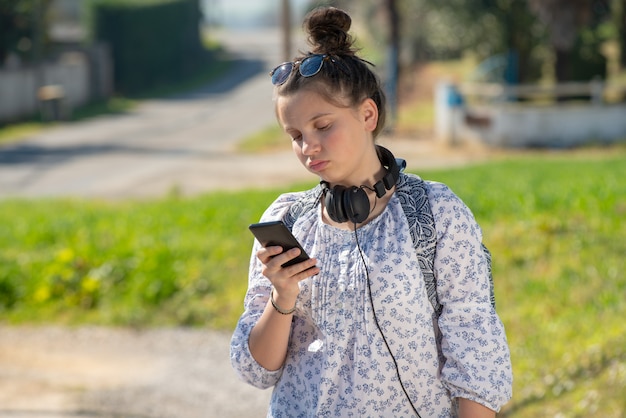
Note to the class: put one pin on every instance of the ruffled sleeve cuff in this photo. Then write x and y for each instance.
(478, 364)
(244, 364)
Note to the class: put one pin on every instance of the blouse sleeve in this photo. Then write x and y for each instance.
(477, 358)
(255, 301)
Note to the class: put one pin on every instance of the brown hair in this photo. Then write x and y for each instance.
(327, 29)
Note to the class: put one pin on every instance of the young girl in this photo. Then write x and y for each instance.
(354, 330)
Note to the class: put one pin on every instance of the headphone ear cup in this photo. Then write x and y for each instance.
(347, 204)
(356, 204)
(333, 202)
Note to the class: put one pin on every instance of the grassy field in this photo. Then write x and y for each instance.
(556, 229)
(554, 223)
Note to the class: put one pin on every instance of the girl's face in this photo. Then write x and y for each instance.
(332, 142)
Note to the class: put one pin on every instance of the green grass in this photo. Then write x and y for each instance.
(556, 229)
(271, 138)
(553, 222)
(165, 262)
(19, 131)
(415, 118)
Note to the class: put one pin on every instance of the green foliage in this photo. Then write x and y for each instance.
(554, 224)
(586, 61)
(153, 42)
(18, 27)
(517, 39)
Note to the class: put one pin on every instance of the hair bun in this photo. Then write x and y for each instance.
(328, 31)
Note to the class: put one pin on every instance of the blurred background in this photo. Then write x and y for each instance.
(138, 140)
(59, 56)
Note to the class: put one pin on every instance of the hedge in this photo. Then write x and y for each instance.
(153, 42)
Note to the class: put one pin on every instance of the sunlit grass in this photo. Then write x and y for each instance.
(415, 118)
(272, 138)
(554, 224)
(19, 131)
(555, 228)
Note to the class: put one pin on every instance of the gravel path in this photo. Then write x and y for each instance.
(104, 372)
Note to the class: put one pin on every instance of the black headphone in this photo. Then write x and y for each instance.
(351, 203)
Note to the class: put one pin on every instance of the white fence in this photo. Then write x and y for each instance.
(77, 77)
(487, 113)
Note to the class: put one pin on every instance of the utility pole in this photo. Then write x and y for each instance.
(38, 58)
(286, 29)
(622, 32)
(394, 58)
(37, 44)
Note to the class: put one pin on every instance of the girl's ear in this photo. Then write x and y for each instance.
(369, 114)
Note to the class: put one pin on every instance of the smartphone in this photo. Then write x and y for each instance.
(276, 233)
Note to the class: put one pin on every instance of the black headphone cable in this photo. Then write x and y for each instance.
(369, 289)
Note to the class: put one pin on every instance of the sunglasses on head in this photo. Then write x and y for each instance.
(308, 67)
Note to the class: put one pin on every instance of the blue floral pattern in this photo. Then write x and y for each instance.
(338, 364)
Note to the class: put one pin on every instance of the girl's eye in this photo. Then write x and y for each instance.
(324, 127)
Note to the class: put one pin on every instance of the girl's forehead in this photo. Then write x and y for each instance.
(300, 102)
(303, 108)
(303, 94)
(300, 106)
(311, 97)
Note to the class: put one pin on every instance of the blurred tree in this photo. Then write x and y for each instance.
(620, 14)
(572, 26)
(393, 58)
(22, 28)
(503, 31)
(515, 39)
(286, 28)
(153, 43)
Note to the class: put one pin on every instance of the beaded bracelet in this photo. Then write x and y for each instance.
(278, 308)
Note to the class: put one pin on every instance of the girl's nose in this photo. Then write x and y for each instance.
(309, 145)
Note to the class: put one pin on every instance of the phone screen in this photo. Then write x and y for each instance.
(276, 233)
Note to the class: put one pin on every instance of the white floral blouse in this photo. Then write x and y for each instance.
(338, 364)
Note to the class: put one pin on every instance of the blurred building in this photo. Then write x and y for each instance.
(67, 74)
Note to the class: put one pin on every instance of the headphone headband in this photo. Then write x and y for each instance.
(393, 171)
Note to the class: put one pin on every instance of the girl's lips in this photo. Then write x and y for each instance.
(317, 165)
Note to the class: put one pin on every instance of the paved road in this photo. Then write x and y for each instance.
(176, 142)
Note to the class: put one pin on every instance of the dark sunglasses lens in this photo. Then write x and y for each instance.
(311, 65)
(281, 73)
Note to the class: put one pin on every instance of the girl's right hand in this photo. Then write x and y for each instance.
(285, 279)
